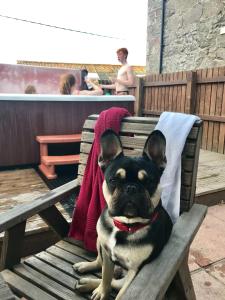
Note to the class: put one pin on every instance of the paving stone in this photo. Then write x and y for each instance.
(217, 270)
(207, 287)
(218, 211)
(193, 266)
(209, 243)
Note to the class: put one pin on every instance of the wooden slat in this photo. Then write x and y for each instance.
(58, 263)
(203, 90)
(218, 108)
(85, 149)
(60, 159)
(191, 92)
(222, 126)
(144, 121)
(175, 88)
(72, 258)
(72, 248)
(183, 95)
(216, 79)
(207, 100)
(218, 119)
(50, 270)
(171, 89)
(50, 139)
(130, 142)
(25, 288)
(66, 256)
(61, 265)
(189, 149)
(165, 83)
(187, 165)
(54, 282)
(126, 127)
(212, 106)
(138, 96)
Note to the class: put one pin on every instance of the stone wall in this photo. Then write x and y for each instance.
(192, 38)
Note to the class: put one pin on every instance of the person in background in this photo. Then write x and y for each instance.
(84, 86)
(125, 76)
(67, 86)
(30, 89)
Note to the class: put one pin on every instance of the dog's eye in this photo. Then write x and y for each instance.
(113, 180)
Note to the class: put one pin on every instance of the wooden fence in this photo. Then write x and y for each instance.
(201, 93)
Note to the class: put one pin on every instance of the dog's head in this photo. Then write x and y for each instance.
(131, 186)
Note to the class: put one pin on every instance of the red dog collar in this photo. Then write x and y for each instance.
(133, 228)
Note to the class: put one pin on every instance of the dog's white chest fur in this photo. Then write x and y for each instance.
(112, 243)
(129, 257)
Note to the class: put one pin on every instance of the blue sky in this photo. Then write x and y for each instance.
(124, 19)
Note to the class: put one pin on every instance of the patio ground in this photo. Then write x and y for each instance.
(207, 256)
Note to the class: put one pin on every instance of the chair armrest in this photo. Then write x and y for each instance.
(153, 279)
(24, 211)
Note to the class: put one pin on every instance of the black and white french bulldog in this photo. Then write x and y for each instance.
(134, 227)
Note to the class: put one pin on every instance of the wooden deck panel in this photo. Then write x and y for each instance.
(211, 173)
(21, 186)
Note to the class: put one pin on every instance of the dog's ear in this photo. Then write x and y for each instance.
(155, 148)
(111, 148)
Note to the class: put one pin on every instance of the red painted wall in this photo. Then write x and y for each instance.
(15, 78)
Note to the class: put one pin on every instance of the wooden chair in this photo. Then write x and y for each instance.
(49, 274)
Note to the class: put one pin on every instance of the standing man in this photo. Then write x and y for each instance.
(125, 76)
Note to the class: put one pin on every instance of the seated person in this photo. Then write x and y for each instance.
(84, 85)
(30, 89)
(67, 87)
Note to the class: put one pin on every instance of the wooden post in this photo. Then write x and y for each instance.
(139, 95)
(182, 286)
(191, 92)
(12, 246)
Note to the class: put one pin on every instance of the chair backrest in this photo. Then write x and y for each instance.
(133, 134)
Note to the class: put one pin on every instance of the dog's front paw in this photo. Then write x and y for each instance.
(81, 267)
(100, 294)
(86, 285)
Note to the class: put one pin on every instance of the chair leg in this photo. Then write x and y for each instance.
(48, 171)
(182, 287)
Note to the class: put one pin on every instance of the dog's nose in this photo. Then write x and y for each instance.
(131, 189)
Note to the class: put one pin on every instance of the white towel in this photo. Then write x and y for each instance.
(175, 127)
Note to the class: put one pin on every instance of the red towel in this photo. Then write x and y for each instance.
(91, 202)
